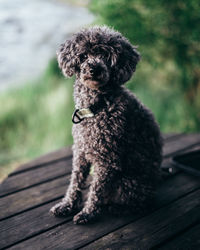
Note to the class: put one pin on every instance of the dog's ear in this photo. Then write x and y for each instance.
(127, 60)
(67, 58)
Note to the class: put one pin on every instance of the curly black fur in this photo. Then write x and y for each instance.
(122, 141)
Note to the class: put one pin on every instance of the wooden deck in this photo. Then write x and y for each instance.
(28, 193)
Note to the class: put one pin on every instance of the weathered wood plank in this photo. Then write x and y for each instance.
(28, 224)
(154, 228)
(188, 240)
(35, 176)
(45, 159)
(69, 236)
(35, 196)
(183, 142)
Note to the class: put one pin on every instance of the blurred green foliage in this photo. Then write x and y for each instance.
(36, 118)
(168, 36)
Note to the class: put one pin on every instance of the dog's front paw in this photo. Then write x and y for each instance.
(61, 209)
(81, 218)
(84, 217)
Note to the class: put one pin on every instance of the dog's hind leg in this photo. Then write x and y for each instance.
(70, 203)
(129, 196)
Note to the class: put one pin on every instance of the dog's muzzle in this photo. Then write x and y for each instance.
(95, 70)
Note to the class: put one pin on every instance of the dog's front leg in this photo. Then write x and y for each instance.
(73, 197)
(102, 179)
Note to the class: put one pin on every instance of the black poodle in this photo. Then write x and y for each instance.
(113, 131)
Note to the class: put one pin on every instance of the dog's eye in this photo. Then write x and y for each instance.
(83, 57)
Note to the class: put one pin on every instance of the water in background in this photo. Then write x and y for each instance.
(30, 33)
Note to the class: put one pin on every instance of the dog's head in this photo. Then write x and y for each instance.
(98, 56)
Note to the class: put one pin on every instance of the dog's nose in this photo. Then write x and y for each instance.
(96, 69)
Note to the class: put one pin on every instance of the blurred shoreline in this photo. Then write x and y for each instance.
(31, 31)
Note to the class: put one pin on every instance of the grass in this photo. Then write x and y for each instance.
(36, 118)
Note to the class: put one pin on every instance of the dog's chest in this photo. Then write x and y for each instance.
(90, 133)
